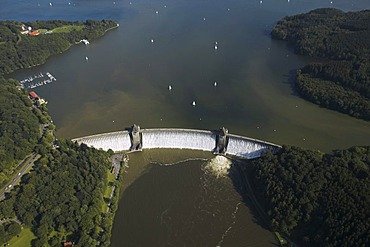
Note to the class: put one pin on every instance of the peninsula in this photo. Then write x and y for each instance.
(341, 80)
(23, 45)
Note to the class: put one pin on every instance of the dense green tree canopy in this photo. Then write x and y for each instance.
(343, 82)
(19, 126)
(63, 196)
(322, 199)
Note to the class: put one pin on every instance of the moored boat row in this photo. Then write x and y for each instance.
(31, 81)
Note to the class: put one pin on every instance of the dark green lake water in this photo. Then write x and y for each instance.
(126, 78)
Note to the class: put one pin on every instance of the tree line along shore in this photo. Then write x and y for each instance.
(342, 81)
(312, 198)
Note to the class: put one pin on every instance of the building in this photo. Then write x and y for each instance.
(34, 33)
(36, 99)
(33, 95)
(41, 101)
(25, 29)
(85, 41)
(68, 244)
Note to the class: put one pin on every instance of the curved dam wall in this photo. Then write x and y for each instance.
(178, 138)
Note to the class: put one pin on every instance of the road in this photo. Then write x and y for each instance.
(18, 175)
(10, 220)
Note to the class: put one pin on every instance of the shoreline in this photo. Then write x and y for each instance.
(5, 75)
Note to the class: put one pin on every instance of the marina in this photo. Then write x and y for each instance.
(38, 80)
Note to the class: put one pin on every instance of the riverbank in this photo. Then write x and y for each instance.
(111, 28)
(242, 172)
(111, 197)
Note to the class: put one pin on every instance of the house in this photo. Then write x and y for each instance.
(68, 244)
(25, 29)
(34, 33)
(41, 101)
(37, 99)
(33, 95)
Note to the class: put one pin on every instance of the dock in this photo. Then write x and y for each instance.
(38, 80)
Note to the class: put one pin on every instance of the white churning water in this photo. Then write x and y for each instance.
(178, 138)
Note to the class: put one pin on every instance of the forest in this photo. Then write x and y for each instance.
(19, 127)
(340, 81)
(316, 199)
(23, 51)
(62, 197)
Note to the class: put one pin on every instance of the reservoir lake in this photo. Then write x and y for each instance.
(245, 85)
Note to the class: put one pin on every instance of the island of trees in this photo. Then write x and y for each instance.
(342, 80)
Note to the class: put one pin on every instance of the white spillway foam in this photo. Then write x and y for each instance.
(219, 166)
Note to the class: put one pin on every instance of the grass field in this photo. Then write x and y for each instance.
(42, 30)
(24, 239)
(67, 29)
(282, 241)
(108, 190)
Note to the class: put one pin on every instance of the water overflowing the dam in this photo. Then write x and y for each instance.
(178, 138)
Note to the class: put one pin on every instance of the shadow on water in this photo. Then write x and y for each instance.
(238, 175)
(138, 199)
(291, 81)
